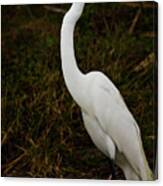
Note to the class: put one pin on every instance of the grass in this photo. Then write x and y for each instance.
(42, 130)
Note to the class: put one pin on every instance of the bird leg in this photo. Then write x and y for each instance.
(112, 176)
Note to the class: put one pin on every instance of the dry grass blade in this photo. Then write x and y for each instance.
(32, 143)
(10, 165)
(6, 134)
(144, 5)
(146, 62)
(57, 166)
(135, 20)
(149, 34)
(56, 10)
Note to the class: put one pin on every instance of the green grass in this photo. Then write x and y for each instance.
(42, 130)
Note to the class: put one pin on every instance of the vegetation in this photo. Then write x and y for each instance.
(42, 130)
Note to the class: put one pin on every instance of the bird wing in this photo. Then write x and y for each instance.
(116, 120)
(98, 136)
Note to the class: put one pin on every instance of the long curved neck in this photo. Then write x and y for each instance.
(72, 75)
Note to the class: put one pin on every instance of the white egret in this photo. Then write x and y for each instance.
(107, 119)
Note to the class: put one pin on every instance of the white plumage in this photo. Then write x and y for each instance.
(106, 117)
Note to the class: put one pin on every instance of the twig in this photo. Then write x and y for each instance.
(56, 10)
(131, 29)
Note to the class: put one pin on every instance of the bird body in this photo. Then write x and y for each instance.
(106, 117)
